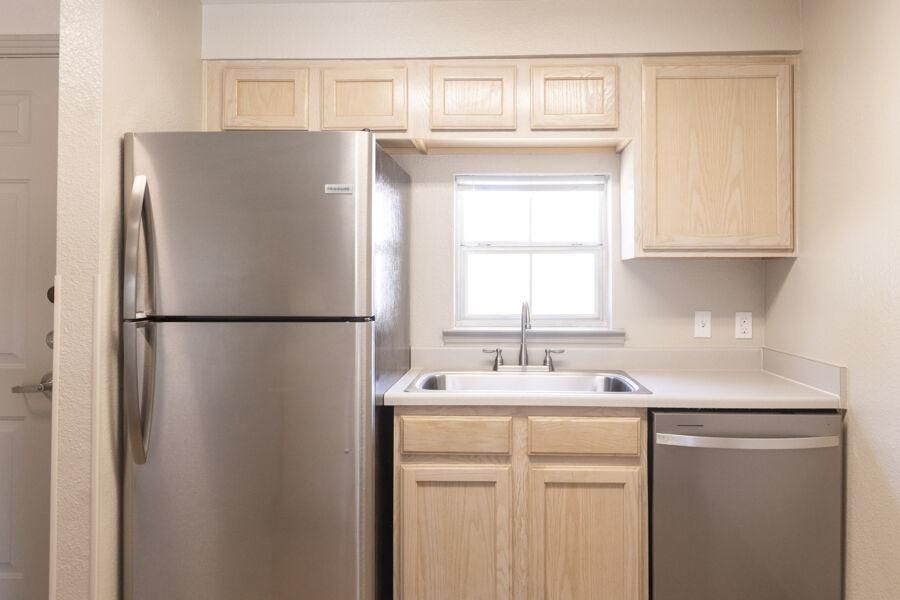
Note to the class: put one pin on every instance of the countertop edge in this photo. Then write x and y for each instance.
(815, 399)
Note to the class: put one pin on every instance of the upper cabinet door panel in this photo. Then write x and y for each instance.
(364, 98)
(473, 97)
(265, 98)
(718, 157)
(574, 97)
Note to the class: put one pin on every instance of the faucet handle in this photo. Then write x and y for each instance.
(498, 356)
(548, 357)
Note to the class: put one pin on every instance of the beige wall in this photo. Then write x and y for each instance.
(653, 300)
(497, 28)
(840, 301)
(29, 17)
(124, 65)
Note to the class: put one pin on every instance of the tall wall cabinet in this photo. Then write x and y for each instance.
(717, 157)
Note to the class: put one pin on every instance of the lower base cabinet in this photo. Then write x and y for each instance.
(585, 533)
(543, 509)
(456, 532)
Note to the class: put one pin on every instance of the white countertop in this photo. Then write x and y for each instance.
(757, 389)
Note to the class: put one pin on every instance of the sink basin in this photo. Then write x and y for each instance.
(578, 382)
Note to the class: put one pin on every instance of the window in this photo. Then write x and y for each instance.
(535, 238)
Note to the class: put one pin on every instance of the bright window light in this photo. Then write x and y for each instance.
(535, 238)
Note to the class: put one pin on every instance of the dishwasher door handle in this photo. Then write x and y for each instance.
(739, 443)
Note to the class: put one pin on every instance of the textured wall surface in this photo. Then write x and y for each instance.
(125, 65)
(653, 299)
(80, 174)
(840, 301)
(493, 28)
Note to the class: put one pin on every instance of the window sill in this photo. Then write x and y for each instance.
(562, 335)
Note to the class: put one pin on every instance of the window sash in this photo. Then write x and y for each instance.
(598, 318)
(560, 183)
(526, 209)
(536, 245)
(523, 183)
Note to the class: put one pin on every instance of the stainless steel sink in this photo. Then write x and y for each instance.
(578, 382)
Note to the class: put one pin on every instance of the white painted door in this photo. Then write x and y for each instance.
(28, 133)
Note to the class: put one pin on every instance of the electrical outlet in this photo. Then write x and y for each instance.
(743, 325)
(702, 324)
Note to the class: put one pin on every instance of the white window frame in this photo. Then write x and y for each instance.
(599, 319)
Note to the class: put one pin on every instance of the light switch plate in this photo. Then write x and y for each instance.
(702, 324)
(743, 325)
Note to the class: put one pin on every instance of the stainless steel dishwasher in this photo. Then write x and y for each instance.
(746, 506)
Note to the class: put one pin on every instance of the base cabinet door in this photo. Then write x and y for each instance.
(585, 533)
(456, 536)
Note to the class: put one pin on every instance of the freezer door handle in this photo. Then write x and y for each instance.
(738, 443)
(133, 218)
(138, 403)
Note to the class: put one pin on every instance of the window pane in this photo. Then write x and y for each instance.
(494, 216)
(497, 284)
(564, 284)
(566, 217)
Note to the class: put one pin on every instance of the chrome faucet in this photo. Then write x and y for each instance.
(526, 325)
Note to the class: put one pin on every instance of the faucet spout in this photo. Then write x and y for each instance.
(523, 344)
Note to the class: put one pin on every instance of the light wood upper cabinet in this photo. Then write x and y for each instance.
(705, 143)
(469, 97)
(364, 98)
(585, 537)
(265, 98)
(457, 534)
(574, 97)
(717, 157)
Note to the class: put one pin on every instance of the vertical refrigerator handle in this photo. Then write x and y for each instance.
(138, 403)
(133, 218)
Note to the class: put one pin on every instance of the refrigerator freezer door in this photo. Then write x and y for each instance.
(239, 224)
(258, 479)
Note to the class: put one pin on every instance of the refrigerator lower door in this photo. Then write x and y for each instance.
(258, 482)
(746, 506)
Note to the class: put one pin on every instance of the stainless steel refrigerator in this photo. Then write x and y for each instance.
(264, 312)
